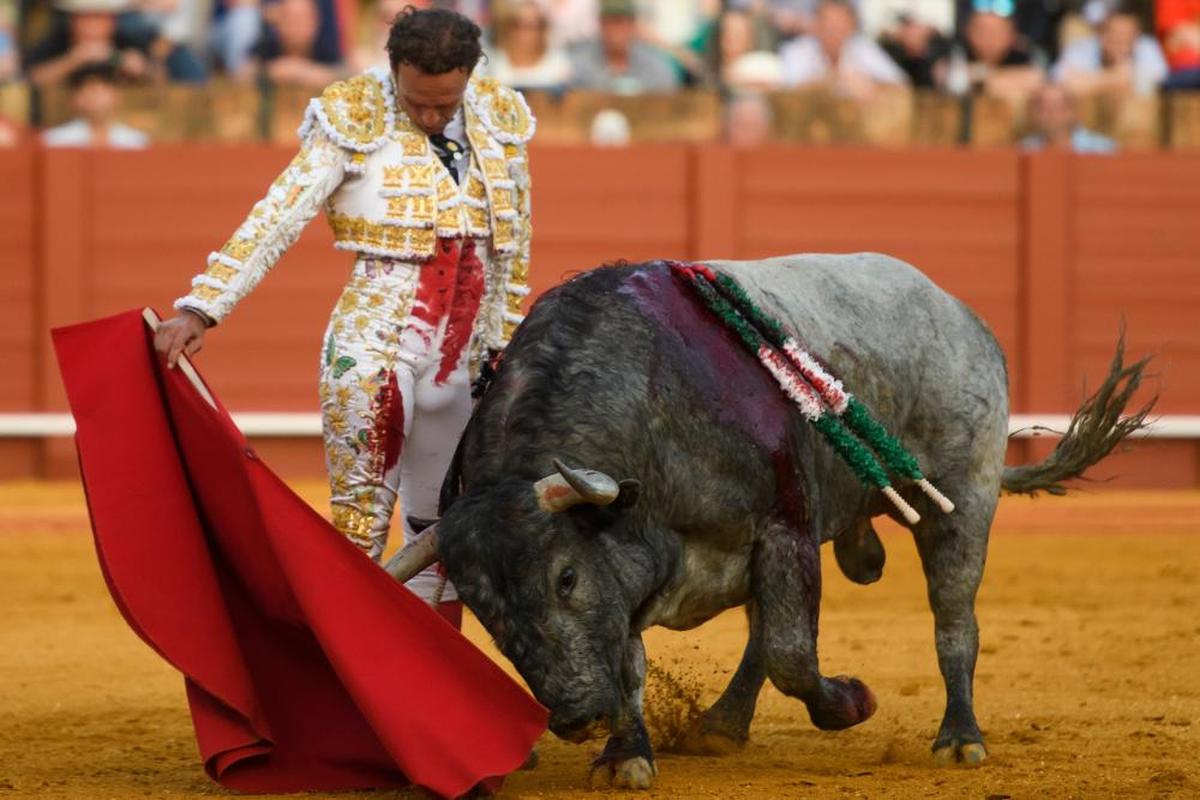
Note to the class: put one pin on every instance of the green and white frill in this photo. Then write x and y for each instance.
(861, 441)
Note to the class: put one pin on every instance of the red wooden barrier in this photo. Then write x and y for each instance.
(18, 304)
(1050, 250)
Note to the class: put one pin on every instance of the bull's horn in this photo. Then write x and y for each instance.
(569, 487)
(554, 494)
(414, 556)
(594, 487)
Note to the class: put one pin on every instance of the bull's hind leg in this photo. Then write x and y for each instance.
(787, 587)
(953, 548)
(725, 726)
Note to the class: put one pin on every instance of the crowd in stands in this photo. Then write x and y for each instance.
(1041, 56)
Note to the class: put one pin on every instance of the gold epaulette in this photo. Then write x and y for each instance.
(357, 113)
(502, 110)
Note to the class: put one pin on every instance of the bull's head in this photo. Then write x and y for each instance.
(554, 571)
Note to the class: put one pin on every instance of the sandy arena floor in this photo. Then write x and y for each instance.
(1088, 684)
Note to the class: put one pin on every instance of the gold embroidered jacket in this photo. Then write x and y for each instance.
(385, 193)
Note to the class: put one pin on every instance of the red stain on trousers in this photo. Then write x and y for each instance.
(451, 289)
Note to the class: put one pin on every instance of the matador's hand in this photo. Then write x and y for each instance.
(182, 334)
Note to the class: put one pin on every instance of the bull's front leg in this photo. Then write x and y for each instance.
(628, 757)
(725, 726)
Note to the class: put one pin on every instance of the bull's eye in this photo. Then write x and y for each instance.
(566, 582)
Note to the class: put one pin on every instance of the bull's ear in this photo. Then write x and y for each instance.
(631, 489)
(419, 524)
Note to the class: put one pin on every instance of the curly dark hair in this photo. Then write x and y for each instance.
(434, 41)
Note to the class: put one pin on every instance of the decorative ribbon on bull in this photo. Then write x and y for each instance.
(840, 417)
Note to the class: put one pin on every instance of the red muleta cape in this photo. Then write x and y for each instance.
(307, 667)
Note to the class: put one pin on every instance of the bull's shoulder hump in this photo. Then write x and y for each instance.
(865, 268)
(835, 277)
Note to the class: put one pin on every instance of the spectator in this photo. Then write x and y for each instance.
(375, 53)
(878, 17)
(683, 30)
(743, 64)
(300, 46)
(117, 30)
(236, 29)
(478, 11)
(1178, 25)
(919, 49)
(1054, 120)
(838, 56)
(167, 27)
(94, 99)
(620, 61)
(788, 18)
(1118, 60)
(1037, 23)
(10, 65)
(573, 22)
(671, 24)
(523, 57)
(86, 31)
(748, 120)
(999, 64)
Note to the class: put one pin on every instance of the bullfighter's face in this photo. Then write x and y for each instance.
(547, 587)
(430, 101)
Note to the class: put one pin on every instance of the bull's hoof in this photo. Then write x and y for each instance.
(636, 773)
(701, 739)
(970, 754)
(846, 702)
(631, 773)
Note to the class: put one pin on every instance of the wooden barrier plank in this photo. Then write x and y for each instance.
(20, 318)
(18, 292)
(65, 277)
(1136, 257)
(952, 215)
(1046, 290)
(716, 212)
(592, 206)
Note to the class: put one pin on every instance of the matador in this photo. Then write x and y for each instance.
(423, 175)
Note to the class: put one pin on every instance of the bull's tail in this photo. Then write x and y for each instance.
(1095, 429)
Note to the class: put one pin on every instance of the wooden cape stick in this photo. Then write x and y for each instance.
(185, 365)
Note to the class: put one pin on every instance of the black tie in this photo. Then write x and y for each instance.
(448, 151)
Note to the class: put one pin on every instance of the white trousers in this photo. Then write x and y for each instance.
(396, 395)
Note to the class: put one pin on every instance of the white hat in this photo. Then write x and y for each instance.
(610, 128)
(93, 6)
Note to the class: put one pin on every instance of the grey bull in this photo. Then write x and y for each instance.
(630, 466)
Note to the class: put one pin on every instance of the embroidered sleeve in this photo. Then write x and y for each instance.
(508, 273)
(516, 285)
(274, 224)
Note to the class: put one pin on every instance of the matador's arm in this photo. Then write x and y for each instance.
(272, 226)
